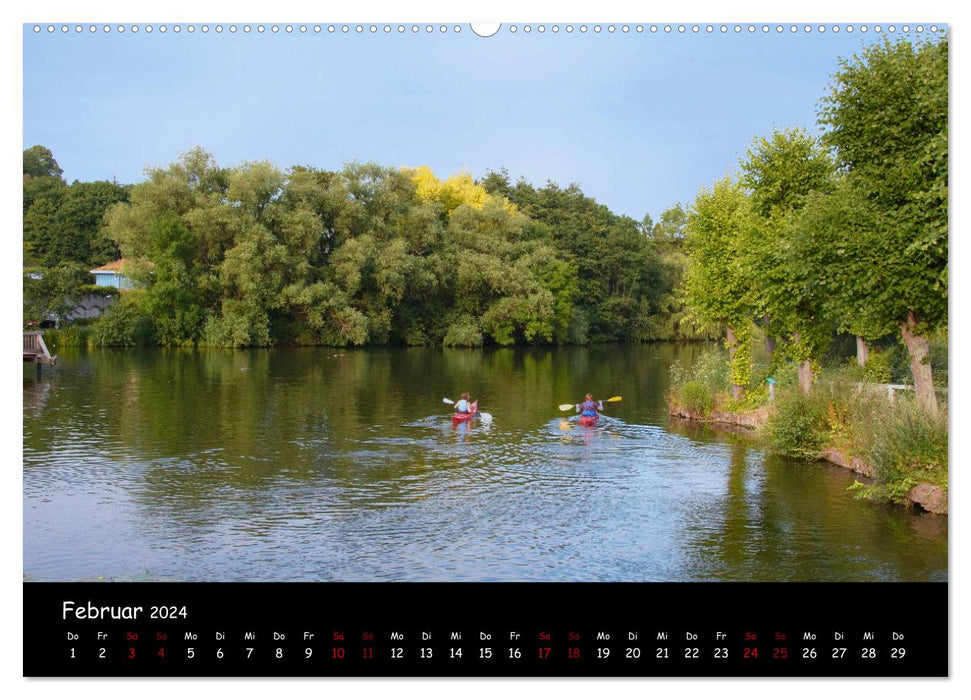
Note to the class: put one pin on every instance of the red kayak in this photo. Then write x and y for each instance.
(464, 417)
(589, 420)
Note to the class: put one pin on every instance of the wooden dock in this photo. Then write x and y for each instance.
(35, 350)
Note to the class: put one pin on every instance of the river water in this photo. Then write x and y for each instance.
(311, 464)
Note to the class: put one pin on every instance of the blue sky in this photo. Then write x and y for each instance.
(640, 121)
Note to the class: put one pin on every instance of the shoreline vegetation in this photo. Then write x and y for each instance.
(813, 241)
(368, 255)
(849, 420)
(844, 235)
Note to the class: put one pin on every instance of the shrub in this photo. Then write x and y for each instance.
(711, 370)
(98, 290)
(899, 364)
(878, 369)
(786, 374)
(697, 388)
(416, 336)
(907, 446)
(799, 426)
(72, 336)
(226, 332)
(847, 408)
(756, 394)
(464, 332)
(241, 325)
(904, 445)
(679, 373)
(124, 324)
(695, 396)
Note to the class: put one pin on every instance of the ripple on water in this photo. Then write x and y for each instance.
(303, 477)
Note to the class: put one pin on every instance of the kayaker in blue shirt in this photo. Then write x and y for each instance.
(590, 407)
(462, 405)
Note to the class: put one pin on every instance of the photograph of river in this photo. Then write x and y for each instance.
(309, 465)
(263, 265)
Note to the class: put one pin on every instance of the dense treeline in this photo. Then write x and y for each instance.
(628, 273)
(62, 222)
(846, 233)
(62, 234)
(253, 255)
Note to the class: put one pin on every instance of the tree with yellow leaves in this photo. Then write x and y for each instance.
(458, 189)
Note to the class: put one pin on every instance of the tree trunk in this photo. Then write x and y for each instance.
(862, 351)
(806, 377)
(805, 372)
(920, 364)
(732, 342)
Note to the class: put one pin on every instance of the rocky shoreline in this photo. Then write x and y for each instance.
(928, 497)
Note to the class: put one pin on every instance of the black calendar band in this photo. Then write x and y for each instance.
(479, 629)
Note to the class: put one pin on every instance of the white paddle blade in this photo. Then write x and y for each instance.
(448, 401)
(486, 417)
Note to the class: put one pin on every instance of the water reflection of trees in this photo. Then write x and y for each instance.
(199, 436)
(781, 519)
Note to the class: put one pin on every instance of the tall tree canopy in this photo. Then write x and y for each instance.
(62, 223)
(779, 172)
(254, 255)
(39, 162)
(718, 283)
(887, 120)
(626, 272)
(854, 238)
(62, 235)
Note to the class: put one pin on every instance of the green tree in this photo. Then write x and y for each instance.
(666, 316)
(717, 284)
(63, 224)
(671, 225)
(191, 190)
(172, 299)
(887, 119)
(497, 183)
(39, 162)
(76, 231)
(40, 221)
(252, 255)
(779, 172)
(833, 234)
(52, 292)
(36, 188)
(620, 277)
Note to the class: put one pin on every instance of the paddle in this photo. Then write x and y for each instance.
(568, 406)
(486, 417)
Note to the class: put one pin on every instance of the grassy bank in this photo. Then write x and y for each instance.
(902, 445)
(75, 335)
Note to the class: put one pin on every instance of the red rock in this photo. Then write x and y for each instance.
(929, 497)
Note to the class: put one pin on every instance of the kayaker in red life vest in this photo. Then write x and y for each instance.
(589, 407)
(462, 405)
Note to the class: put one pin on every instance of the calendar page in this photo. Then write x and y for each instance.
(554, 349)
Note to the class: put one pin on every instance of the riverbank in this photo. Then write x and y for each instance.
(752, 420)
(280, 464)
(929, 497)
